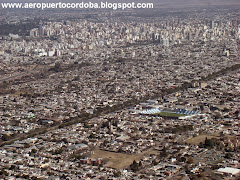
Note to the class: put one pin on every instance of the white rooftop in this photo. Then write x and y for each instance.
(229, 170)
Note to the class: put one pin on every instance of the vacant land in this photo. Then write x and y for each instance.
(116, 160)
(201, 138)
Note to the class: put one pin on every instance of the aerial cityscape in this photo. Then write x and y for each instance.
(121, 94)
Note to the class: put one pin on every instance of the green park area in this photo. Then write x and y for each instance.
(169, 114)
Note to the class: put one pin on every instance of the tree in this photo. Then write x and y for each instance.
(217, 115)
(134, 166)
(190, 160)
(164, 153)
(154, 162)
(3, 172)
(12, 167)
(92, 136)
(140, 163)
(26, 145)
(65, 140)
(201, 145)
(209, 142)
(34, 151)
(5, 137)
(228, 155)
(236, 112)
(117, 173)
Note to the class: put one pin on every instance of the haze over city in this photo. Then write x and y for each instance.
(149, 93)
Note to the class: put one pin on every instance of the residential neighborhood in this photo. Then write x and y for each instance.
(121, 96)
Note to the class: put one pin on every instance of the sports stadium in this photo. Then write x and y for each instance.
(166, 112)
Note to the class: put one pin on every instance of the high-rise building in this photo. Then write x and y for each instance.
(212, 23)
(40, 30)
(189, 36)
(165, 42)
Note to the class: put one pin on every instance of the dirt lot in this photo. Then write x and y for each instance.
(116, 160)
(201, 138)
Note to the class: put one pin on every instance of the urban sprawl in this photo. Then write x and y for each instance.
(122, 97)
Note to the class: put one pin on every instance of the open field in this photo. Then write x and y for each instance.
(201, 138)
(116, 160)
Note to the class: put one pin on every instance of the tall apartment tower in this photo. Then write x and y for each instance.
(40, 30)
(212, 24)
